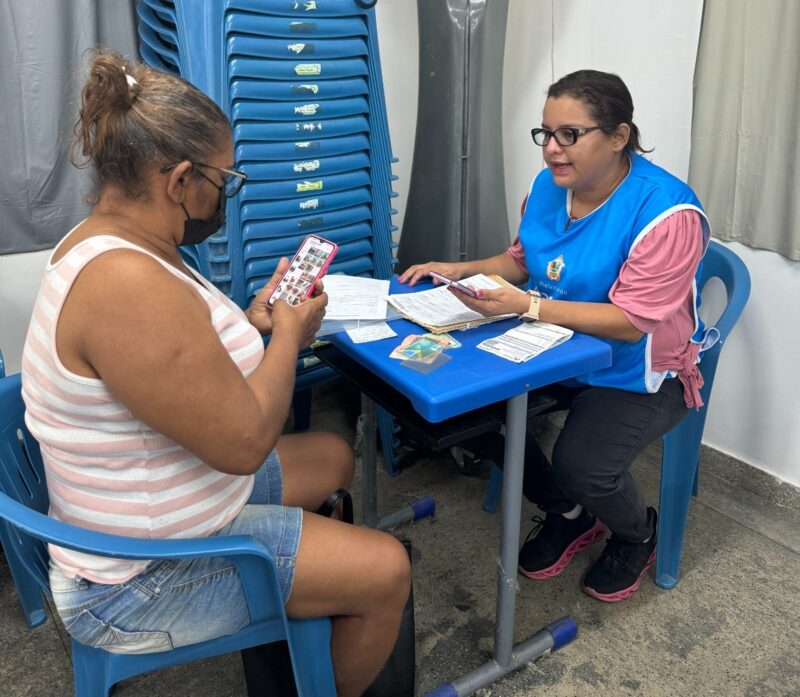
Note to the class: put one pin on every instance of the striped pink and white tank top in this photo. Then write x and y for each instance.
(105, 469)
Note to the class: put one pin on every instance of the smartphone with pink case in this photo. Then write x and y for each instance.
(310, 263)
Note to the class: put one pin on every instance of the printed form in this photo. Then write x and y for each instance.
(438, 306)
(353, 297)
(525, 341)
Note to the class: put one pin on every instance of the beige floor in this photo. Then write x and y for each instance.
(731, 627)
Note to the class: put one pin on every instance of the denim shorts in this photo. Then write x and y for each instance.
(175, 603)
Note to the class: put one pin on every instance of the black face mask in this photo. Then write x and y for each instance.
(197, 230)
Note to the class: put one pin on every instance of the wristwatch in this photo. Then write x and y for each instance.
(532, 315)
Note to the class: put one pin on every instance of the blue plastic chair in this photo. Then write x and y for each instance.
(25, 529)
(680, 459)
(681, 449)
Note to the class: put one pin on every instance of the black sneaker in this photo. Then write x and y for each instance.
(557, 540)
(617, 574)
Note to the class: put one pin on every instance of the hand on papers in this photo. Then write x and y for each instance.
(420, 271)
(498, 301)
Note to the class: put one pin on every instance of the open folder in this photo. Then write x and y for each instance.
(439, 310)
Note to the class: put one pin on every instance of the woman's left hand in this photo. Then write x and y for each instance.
(498, 301)
(259, 313)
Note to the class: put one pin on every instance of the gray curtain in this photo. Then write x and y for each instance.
(745, 159)
(42, 43)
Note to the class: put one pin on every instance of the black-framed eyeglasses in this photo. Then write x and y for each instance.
(232, 181)
(564, 136)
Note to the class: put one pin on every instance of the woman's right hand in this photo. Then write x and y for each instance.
(303, 319)
(412, 274)
(260, 312)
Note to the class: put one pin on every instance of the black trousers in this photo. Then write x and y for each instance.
(605, 430)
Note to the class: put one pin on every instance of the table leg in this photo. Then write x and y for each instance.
(508, 657)
(516, 420)
(414, 510)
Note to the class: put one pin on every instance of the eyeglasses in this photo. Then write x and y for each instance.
(564, 136)
(232, 182)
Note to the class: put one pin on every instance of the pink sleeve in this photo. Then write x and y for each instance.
(656, 279)
(515, 250)
(518, 254)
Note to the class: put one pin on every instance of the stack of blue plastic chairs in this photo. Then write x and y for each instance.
(301, 83)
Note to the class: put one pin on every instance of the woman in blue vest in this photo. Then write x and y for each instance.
(609, 245)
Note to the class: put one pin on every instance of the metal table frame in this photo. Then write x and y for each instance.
(413, 396)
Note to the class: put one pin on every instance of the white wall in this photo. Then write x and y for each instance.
(755, 410)
(398, 39)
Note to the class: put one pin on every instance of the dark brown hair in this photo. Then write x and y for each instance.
(133, 118)
(606, 97)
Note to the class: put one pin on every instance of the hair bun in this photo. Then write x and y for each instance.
(133, 118)
(112, 84)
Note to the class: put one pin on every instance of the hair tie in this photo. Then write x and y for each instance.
(131, 80)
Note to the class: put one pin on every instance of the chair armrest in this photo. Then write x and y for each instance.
(253, 561)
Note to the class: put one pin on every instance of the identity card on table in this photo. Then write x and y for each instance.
(526, 340)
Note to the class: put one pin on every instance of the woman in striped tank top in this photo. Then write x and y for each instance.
(160, 413)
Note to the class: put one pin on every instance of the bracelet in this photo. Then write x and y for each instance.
(532, 315)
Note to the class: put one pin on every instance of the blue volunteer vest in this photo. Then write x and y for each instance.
(580, 260)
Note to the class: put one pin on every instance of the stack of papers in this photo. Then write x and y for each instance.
(358, 306)
(353, 297)
(525, 341)
(438, 310)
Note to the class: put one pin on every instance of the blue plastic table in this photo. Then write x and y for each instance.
(470, 380)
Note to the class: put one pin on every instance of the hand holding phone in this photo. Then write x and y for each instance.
(455, 285)
(309, 264)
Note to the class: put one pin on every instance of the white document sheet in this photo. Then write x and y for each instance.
(438, 306)
(353, 297)
(371, 332)
(525, 341)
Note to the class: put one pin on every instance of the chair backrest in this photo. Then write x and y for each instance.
(681, 452)
(720, 262)
(22, 479)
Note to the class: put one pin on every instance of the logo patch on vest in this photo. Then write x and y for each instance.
(555, 267)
